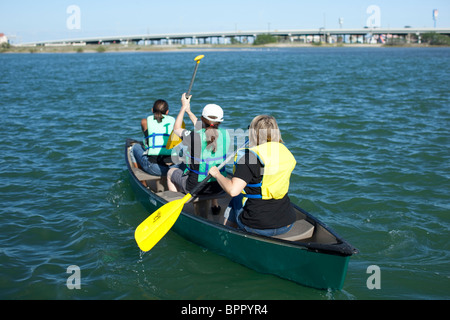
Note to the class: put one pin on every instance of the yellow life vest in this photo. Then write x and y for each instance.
(278, 163)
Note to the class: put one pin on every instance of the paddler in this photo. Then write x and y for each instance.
(206, 147)
(154, 158)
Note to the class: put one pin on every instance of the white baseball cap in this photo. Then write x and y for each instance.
(213, 113)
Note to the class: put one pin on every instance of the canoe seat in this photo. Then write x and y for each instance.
(156, 183)
(170, 195)
(301, 229)
(142, 175)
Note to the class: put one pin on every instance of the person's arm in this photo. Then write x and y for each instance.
(189, 112)
(233, 187)
(144, 126)
(247, 169)
(185, 106)
(192, 117)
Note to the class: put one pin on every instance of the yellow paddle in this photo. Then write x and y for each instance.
(174, 140)
(152, 229)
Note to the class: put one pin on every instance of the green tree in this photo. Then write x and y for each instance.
(100, 49)
(264, 39)
(434, 38)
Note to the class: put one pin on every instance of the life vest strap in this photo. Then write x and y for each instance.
(153, 136)
(252, 196)
(254, 185)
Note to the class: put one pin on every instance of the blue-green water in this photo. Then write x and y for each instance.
(368, 127)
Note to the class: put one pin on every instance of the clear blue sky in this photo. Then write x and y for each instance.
(37, 20)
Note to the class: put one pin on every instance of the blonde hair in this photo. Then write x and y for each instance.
(263, 129)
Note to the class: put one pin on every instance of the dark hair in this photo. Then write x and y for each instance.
(211, 133)
(160, 108)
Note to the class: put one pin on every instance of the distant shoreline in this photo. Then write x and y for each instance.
(172, 48)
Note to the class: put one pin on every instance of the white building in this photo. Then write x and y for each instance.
(3, 38)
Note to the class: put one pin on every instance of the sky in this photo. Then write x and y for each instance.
(30, 20)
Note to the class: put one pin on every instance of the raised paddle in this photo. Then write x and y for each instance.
(197, 59)
(174, 140)
(152, 229)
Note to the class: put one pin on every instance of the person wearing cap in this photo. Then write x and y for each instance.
(206, 147)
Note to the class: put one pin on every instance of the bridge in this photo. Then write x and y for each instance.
(363, 35)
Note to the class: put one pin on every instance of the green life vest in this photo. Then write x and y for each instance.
(158, 135)
(208, 158)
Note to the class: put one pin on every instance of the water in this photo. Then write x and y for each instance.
(368, 127)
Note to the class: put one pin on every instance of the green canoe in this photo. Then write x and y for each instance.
(310, 254)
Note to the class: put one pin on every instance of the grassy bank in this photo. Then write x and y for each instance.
(156, 48)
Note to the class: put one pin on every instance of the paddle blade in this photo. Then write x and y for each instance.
(152, 229)
(174, 140)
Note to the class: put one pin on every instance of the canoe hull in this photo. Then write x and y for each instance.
(318, 266)
(300, 265)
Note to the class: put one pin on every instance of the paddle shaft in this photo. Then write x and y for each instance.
(192, 81)
(173, 139)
